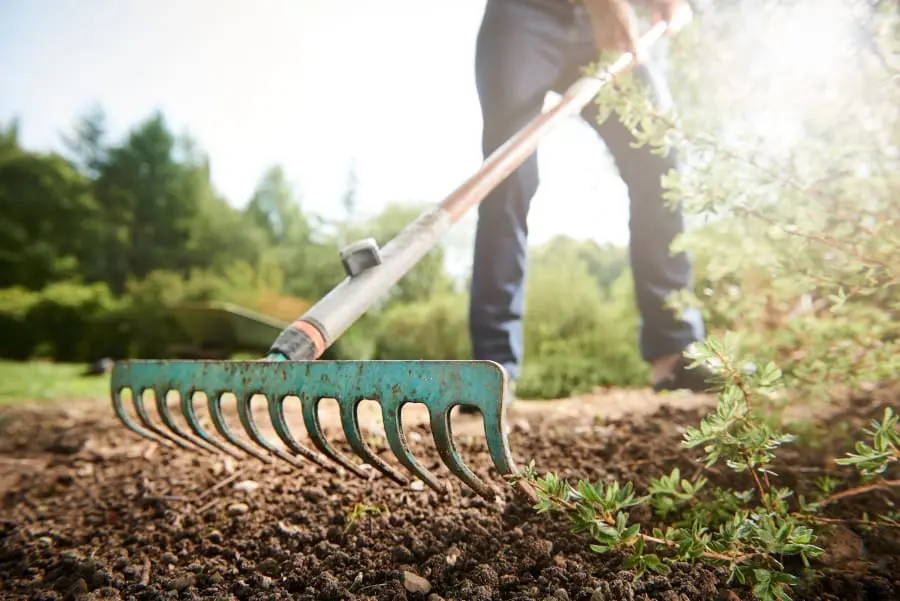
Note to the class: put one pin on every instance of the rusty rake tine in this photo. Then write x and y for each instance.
(440, 428)
(314, 429)
(119, 408)
(276, 414)
(350, 422)
(393, 429)
(162, 407)
(187, 409)
(215, 411)
(145, 419)
(245, 414)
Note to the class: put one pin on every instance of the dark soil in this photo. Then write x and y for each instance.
(91, 511)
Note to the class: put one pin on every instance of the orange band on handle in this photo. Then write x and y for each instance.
(314, 334)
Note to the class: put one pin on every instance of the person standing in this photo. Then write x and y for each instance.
(524, 49)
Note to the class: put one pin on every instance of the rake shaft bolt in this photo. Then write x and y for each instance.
(360, 256)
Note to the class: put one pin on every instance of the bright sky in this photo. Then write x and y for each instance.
(309, 84)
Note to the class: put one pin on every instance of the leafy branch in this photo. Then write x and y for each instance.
(873, 459)
(811, 218)
(749, 531)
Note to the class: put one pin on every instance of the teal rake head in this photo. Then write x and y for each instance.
(439, 385)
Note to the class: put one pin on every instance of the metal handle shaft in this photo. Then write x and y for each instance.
(323, 323)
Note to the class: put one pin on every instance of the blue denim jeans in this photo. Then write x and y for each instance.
(524, 49)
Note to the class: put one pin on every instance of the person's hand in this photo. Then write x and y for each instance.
(614, 25)
(675, 13)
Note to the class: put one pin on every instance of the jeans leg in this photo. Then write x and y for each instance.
(653, 226)
(518, 56)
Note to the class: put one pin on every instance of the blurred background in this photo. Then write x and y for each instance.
(176, 178)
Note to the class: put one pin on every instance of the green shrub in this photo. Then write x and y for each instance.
(146, 312)
(752, 531)
(577, 337)
(17, 340)
(797, 179)
(433, 329)
(799, 263)
(58, 322)
(70, 321)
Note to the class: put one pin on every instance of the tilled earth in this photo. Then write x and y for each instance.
(92, 511)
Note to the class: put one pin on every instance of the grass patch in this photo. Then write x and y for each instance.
(22, 382)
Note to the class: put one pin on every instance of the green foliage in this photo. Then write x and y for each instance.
(796, 267)
(574, 341)
(577, 335)
(18, 341)
(872, 459)
(67, 316)
(436, 328)
(48, 223)
(731, 433)
(752, 530)
(793, 167)
(783, 249)
(131, 228)
(811, 289)
(43, 381)
(61, 321)
(605, 264)
(361, 511)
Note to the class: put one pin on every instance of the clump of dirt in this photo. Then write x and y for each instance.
(91, 511)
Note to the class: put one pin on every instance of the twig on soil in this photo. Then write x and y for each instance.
(222, 483)
(852, 492)
(208, 506)
(847, 521)
(218, 486)
(733, 558)
(145, 573)
(157, 498)
(149, 452)
(21, 460)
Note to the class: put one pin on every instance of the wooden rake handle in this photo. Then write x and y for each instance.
(508, 157)
(372, 271)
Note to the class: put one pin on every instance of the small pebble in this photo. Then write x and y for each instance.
(288, 529)
(413, 583)
(560, 594)
(522, 425)
(247, 486)
(238, 509)
(181, 583)
(269, 567)
(417, 485)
